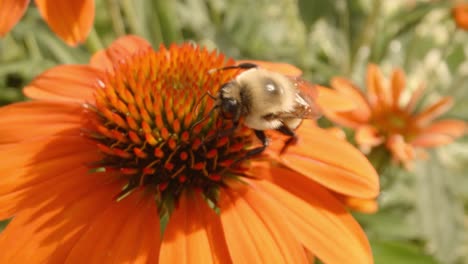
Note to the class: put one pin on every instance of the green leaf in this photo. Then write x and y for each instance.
(312, 10)
(440, 213)
(402, 22)
(391, 252)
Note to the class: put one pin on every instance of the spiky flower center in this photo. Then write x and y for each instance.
(146, 122)
(396, 122)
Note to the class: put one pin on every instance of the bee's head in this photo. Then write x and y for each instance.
(229, 101)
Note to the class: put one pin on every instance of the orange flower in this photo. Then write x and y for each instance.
(460, 15)
(71, 20)
(381, 118)
(103, 152)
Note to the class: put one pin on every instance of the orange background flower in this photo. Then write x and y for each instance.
(381, 117)
(71, 20)
(460, 15)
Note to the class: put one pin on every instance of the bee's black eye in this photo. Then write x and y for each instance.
(230, 107)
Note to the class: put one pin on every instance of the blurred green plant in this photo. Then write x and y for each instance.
(423, 215)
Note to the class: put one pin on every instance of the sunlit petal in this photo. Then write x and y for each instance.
(11, 12)
(71, 20)
(66, 83)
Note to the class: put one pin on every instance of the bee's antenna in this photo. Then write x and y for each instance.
(205, 117)
(244, 66)
(201, 98)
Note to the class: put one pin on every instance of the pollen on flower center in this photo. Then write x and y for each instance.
(145, 121)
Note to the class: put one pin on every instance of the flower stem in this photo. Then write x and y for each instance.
(93, 42)
(168, 26)
(116, 17)
(32, 46)
(131, 17)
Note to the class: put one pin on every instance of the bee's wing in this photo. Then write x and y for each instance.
(305, 107)
(306, 96)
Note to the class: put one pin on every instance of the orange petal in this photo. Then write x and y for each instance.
(332, 162)
(331, 100)
(398, 85)
(366, 206)
(33, 161)
(336, 132)
(71, 20)
(122, 233)
(71, 83)
(435, 110)
(378, 96)
(283, 68)
(460, 15)
(194, 234)
(255, 230)
(46, 231)
(429, 140)
(119, 49)
(316, 217)
(362, 111)
(27, 120)
(346, 119)
(368, 137)
(11, 11)
(452, 127)
(401, 150)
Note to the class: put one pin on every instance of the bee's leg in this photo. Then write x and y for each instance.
(288, 132)
(260, 134)
(263, 138)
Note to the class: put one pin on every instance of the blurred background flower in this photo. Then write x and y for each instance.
(422, 215)
(71, 20)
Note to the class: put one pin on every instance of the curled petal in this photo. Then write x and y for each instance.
(334, 163)
(71, 20)
(255, 230)
(10, 12)
(120, 49)
(194, 234)
(66, 83)
(283, 68)
(315, 217)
